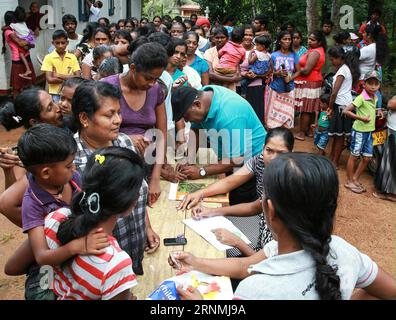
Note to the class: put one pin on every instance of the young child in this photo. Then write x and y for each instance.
(52, 184)
(232, 54)
(59, 65)
(24, 33)
(259, 61)
(111, 183)
(322, 124)
(361, 135)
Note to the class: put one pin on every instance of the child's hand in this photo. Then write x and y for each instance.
(314, 126)
(366, 119)
(226, 237)
(92, 244)
(380, 114)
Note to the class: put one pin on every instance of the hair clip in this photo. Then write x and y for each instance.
(100, 159)
(93, 203)
(17, 119)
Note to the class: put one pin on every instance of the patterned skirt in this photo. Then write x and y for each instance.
(306, 95)
(385, 178)
(279, 109)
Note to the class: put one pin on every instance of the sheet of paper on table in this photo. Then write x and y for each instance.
(205, 226)
(179, 190)
(211, 287)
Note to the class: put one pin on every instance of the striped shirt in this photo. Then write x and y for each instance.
(130, 231)
(256, 166)
(100, 277)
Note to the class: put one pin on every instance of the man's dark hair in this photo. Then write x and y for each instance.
(328, 22)
(68, 18)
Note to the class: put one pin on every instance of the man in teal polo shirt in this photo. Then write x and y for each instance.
(234, 131)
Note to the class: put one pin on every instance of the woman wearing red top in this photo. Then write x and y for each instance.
(309, 81)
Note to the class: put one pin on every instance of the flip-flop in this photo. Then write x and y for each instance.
(354, 188)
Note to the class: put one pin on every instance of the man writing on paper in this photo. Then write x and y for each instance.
(234, 131)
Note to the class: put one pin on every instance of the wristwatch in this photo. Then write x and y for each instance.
(202, 172)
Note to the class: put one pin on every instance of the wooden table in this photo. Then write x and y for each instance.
(166, 221)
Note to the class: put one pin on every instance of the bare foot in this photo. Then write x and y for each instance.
(354, 188)
(24, 76)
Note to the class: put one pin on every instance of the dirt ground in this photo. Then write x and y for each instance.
(366, 222)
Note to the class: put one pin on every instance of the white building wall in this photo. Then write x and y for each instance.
(60, 7)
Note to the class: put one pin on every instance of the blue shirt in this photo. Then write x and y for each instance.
(237, 131)
(200, 65)
(289, 61)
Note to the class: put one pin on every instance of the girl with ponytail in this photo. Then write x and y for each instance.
(304, 261)
(111, 183)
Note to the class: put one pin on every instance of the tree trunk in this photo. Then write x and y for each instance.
(253, 4)
(312, 15)
(335, 15)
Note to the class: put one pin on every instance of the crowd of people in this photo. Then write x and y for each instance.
(88, 166)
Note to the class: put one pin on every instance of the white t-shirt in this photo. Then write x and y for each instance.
(292, 276)
(94, 14)
(392, 120)
(367, 59)
(72, 46)
(344, 96)
(88, 60)
(167, 79)
(193, 76)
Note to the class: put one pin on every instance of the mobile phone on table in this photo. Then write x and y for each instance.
(179, 241)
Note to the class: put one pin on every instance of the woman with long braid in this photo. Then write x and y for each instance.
(304, 261)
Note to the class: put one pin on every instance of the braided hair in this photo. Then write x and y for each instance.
(303, 189)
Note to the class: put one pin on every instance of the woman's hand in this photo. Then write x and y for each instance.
(154, 191)
(251, 75)
(191, 200)
(93, 243)
(226, 237)
(179, 82)
(140, 143)
(189, 294)
(182, 261)
(8, 160)
(201, 212)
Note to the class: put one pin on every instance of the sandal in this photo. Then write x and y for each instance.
(354, 188)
